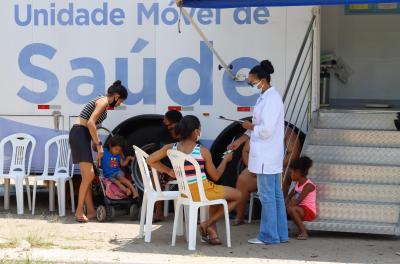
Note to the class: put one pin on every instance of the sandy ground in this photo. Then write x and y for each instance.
(61, 240)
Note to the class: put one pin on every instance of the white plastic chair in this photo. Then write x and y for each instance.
(62, 172)
(18, 170)
(152, 194)
(185, 198)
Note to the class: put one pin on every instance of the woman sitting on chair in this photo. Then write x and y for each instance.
(247, 181)
(189, 130)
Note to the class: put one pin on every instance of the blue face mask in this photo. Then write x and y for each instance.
(255, 88)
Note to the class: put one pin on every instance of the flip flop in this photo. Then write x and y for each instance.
(302, 237)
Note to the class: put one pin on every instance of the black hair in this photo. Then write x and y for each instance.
(187, 125)
(302, 164)
(263, 70)
(116, 141)
(118, 88)
(174, 116)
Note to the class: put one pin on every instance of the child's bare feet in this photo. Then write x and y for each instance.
(127, 191)
(135, 193)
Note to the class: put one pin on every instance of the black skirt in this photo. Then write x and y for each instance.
(80, 142)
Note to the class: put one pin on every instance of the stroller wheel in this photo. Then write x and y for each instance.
(134, 211)
(110, 212)
(101, 213)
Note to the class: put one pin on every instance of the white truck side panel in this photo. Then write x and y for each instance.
(48, 58)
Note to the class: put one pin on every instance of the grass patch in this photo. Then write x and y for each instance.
(27, 260)
(70, 247)
(38, 241)
(34, 239)
(12, 243)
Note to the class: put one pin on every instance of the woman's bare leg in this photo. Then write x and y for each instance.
(85, 193)
(233, 197)
(91, 211)
(246, 184)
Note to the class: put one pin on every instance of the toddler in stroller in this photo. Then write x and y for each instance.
(112, 164)
(116, 189)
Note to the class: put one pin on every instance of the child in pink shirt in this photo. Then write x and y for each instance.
(301, 201)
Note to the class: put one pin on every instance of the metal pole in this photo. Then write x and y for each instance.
(6, 194)
(310, 26)
(208, 43)
(51, 196)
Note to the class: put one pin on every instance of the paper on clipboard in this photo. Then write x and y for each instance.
(232, 120)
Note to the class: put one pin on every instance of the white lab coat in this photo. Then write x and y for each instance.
(267, 138)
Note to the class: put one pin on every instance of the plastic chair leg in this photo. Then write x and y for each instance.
(28, 191)
(204, 213)
(192, 227)
(61, 197)
(176, 220)
(186, 215)
(34, 197)
(149, 220)
(180, 230)
(143, 216)
(227, 226)
(58, 196)
(251, 207)
(19, 195)
(71, 191)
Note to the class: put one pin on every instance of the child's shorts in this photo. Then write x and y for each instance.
(308, 214)
(116, 176)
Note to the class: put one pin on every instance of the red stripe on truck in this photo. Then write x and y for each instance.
(177, 108)
(43, 107)
(244, 109)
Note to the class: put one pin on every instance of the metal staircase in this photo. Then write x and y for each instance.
(356, 169)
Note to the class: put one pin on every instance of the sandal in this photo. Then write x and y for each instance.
(215, 241)
(81, 219)
(237, 222)
(302, 237)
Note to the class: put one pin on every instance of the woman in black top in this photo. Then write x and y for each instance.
(82, 133)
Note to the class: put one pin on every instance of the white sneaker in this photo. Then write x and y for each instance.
(255, 241)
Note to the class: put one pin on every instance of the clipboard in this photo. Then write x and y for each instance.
(232, 120)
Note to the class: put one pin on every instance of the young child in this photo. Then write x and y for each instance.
(112, 162)
(301, 201)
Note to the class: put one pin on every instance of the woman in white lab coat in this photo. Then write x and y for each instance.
(266, 133)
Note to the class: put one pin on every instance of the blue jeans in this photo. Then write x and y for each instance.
(273, 226)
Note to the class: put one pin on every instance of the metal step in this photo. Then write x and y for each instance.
(359, 192)
(353, 211)
(355, 138)
(372, 120)
(353, 155)
(355, 173)
(353, 227)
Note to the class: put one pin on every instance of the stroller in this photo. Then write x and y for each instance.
(108, 197)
